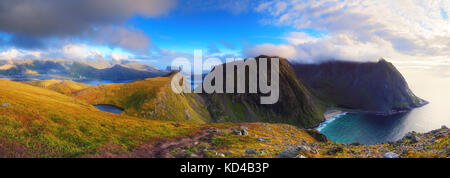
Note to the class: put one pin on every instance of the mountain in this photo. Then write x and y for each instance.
(116, 72)
(70, 69)
(35, 67)
(295, 106)
(66, 87)
(370, 86)
(151, 98)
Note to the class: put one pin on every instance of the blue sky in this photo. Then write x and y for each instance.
(196, 30)
(157, 31)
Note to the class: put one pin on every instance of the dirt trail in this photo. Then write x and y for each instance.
(163, 148)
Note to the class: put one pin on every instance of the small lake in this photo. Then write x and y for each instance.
(109, 108)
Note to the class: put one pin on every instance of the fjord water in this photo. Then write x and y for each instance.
(372, 129)
(101, 82)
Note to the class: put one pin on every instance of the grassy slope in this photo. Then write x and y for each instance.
(151, 98)
(36, 122)
(66, 87)
(296, 105)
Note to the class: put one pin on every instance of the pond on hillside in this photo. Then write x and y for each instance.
(109, 108)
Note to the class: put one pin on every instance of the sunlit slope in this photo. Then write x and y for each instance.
(36, 122)
(295, 105)
(66, 87)
(151, 98)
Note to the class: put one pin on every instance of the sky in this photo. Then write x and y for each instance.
(409, 33)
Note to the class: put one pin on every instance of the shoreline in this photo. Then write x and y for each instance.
(331, 113)
(328, 114)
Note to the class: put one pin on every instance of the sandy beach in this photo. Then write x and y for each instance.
(330, 113)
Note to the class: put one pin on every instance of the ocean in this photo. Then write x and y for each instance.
(372, 129)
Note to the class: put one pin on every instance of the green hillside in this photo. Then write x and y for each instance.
(295, 105)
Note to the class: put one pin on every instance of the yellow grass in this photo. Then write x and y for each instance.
(36, 122)
(151, 98)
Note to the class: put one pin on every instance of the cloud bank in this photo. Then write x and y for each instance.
(33, 22)
(359, 29)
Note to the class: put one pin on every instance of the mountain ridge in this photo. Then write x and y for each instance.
(79, 69)
(295, 105)
(369, 86)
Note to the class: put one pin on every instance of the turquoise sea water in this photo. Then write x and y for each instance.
(367, 128)
(372, 129)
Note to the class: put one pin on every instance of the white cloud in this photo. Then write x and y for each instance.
(119, 56)
(362, 29)
(10, 54)
(286, 51)
(13, 54)
(79, 52)
(299, 38)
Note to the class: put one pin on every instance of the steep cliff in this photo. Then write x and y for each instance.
(372, 86)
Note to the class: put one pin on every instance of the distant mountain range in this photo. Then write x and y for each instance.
(77, 70)
(306, 91)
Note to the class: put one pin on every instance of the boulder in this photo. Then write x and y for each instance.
(237, 132)
(391, 155)
(335, 150)
(412, 137)
(300, 156)
(293, 151)
(241, 131)
(251, 152)
(220, 155)
(289, 152)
